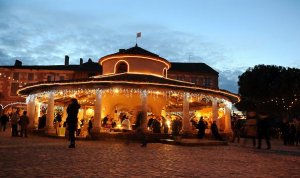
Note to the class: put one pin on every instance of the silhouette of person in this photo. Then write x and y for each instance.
(215, 131)
(90, 125)
(263, 129)
(14, 122)
(140, 130)
(201, 128)
(72, 120)
(24, 121)
(4, 119)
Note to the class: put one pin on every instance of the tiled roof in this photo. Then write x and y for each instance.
(88, 66)
(192, 67)
(95, 67)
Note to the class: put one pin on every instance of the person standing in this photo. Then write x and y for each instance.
(14, 122)
(90, 125)
(201, 128)
(24, 121)
(126, 125)
(215, 131)
(72, 120)
(156, 126)
(4, 119)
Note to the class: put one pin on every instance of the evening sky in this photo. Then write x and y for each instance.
(228, 35)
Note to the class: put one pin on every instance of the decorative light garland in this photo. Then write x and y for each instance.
(89, 95)
(126, 82)
(15, 103)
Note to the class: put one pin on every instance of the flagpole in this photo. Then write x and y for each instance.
(136, 40)
(138, 35)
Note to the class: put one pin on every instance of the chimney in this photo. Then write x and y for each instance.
(18, 63)
(66, 60)
(81, 61)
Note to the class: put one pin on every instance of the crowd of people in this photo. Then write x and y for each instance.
(259, 126)
(19, 123)
(256, 127)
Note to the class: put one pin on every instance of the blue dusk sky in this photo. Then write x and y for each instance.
(228, 35)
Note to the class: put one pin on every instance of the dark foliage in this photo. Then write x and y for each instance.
(270, 88)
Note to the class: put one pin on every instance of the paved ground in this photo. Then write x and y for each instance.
(49, 157)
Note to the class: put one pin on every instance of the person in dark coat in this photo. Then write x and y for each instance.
(215, 131)
(156, 126)
(24, 121)
(72, 120)
(201, 128)
(42, 121)
(4, 119)
(284, 128)
(90, 127)
(175, 127)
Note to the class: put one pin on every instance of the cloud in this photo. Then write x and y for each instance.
(228, 79)
(43, 36)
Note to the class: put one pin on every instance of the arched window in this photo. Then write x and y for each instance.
(122, 67)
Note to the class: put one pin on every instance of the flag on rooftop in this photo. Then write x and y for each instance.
(139, 34)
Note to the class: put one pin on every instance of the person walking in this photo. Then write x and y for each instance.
(4, 119)
(14, 122)
(24, 121)
(251, 127)
(140, 130)
(263, 129)
(237, 130)
(72, 120)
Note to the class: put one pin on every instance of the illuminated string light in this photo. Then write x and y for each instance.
(197, 90)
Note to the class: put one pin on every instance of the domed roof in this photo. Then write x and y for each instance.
(136, 50)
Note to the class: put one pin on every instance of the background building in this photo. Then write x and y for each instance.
(14, 77)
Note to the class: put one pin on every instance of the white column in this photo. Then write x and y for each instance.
(186, 126)
(227, 119)
(50, 115)
(97, 113)
(144, 102)
(215, 111)
(31, 110)
(37, 113)
(64, 114)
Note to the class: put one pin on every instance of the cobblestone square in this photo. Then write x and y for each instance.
(50, 157)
